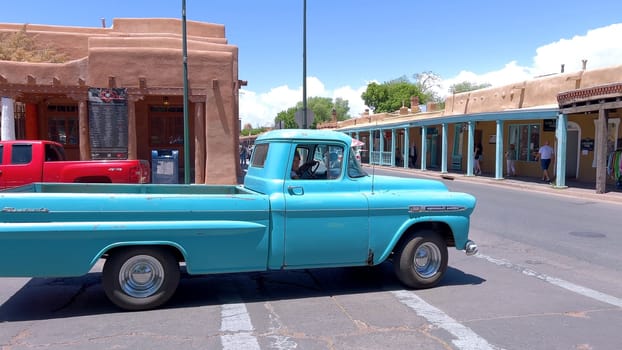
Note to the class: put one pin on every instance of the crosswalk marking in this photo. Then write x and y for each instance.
(466, 338)
(590, 293)
(237, 328)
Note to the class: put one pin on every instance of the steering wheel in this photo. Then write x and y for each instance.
(308, 169)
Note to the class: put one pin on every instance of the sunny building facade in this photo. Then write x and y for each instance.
(139, 63)
(577, 113)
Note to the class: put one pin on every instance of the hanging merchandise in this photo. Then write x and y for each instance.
(614, 167)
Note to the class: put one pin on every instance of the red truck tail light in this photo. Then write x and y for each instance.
(140, 173)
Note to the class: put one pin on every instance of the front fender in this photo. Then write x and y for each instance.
(458, 225)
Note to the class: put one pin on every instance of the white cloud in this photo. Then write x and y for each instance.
(510, 73)
(260, 109)
(600, 47)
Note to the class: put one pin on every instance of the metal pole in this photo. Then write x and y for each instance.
(186, 126)
(304, 65)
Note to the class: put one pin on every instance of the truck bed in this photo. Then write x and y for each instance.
(62, 229)
(131, 189)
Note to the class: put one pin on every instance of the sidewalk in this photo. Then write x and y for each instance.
(572, 189)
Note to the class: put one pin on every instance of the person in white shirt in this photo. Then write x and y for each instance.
(545, 155)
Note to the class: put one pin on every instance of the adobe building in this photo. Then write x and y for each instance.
(578, 113)
(138, 63)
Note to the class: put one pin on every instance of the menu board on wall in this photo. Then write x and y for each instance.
(108, 123)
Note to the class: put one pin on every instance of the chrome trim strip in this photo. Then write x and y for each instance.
(434, 208)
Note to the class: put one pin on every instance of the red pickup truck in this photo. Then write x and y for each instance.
(26, 161)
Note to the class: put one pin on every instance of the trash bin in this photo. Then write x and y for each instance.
(164, 166)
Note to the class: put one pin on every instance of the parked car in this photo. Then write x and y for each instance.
(26, 161)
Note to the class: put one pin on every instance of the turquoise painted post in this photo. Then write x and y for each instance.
(371, 146)
(381, 148)
(444, 149)
(424, 148)
(562, 140)
(406, 147)
(358, 137)
(470, 148)
(393, 147)
(499, 158)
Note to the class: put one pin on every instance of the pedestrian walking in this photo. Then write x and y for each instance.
(510, 160)
(477, 157)
(545, 155)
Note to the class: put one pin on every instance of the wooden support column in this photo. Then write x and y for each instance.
(132, 143)
(83, 122)
(601, 151)
(199, 138)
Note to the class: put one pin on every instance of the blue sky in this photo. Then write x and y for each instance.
(353, 42)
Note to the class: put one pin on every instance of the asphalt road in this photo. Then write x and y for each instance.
(548, 276)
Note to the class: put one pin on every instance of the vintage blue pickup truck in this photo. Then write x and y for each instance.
(306, 202)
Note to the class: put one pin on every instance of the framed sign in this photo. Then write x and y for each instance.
(587, 144)
(549, 124)
(108, 129)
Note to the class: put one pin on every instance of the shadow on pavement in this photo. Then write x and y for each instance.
(47, 298)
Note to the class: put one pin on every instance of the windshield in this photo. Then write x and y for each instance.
(354, 164)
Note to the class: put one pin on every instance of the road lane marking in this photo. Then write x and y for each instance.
(575, 288)
(466, 338)
(236, 323)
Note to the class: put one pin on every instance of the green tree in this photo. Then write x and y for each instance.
(392, 95)
(322, 108)
(467, 86)
(24, 47)
(287, 118)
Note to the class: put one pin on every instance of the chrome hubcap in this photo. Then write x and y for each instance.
(141, 276)
(427, 260)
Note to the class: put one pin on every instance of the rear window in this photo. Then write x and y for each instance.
(21, 154)
(258, 158)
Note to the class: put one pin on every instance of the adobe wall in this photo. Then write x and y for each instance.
(537, 92)
(149, 50)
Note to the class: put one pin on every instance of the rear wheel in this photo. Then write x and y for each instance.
(140, 278)
(421, 261)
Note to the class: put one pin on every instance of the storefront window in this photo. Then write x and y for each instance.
(526, 137)
(63, 124)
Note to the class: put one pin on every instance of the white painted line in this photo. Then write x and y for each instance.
(466, 338)
(236, 321)
(590, 293)
(279, 341)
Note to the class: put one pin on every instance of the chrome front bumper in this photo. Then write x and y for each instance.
(470, 248)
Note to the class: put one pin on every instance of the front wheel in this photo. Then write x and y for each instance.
(421, 261)
(140, 278)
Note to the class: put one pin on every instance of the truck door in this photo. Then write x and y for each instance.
(326, 218)
(17, 167)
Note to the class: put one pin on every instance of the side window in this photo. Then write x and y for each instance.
(1, 153)
(334, 159)
(52, 153)
(320, 161)
(21, 154)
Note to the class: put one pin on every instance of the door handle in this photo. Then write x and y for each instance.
(295, 190)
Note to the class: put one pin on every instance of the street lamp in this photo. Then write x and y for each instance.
(304, 64)
(186, 122)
